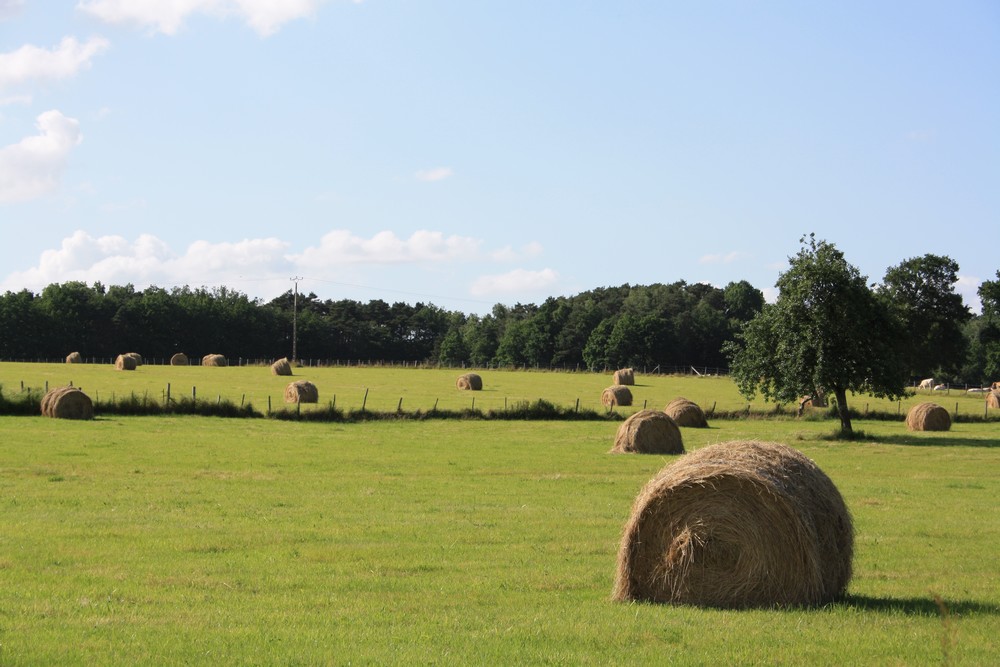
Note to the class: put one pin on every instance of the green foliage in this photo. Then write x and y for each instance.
(826, 331)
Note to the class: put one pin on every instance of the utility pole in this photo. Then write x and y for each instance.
(295, 310)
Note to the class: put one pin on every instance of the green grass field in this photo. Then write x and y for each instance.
(167, 540)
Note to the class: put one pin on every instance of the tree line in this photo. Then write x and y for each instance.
(671, 325)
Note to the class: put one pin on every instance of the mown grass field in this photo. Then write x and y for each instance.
(168, 540)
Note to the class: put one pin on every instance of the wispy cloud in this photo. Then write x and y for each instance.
(33, 166)
(9, 8)
(342, 247)
(726, 258)
(264, 16)
(518, 280)
(435, 174)
(32, 63)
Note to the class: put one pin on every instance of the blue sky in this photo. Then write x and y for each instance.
(472, 153)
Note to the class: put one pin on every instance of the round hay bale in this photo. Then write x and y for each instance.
(624, 376)
(301, 391)
(67, 403)
(123, 362)
(136, 356)
(928, 417)
(214, 360)
(648, 432)
(179, 359)
(993, 399)
(281, 367)
(74, 358)
(735, 525)
(616, 395)
(686, 413)
(469, 381)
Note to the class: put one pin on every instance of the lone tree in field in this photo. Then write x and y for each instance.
(827, 331)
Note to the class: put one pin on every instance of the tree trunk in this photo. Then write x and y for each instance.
(845, 416)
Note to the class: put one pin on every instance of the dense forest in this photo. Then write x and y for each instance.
(670, 326)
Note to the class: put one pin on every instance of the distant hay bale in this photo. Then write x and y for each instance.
(928, 417)
(136, 356)
(214, 360)
(993, 399)
(648, 432)
(686, 413)
(735, 525)
(624, 376)
(301, 391)
(179, 359)
(67, 403)
(74, 358)
(616, 395)
(281, 367)
(123, 362)
(469, 381)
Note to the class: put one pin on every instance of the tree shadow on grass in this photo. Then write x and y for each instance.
(928, 607)
(933, 441)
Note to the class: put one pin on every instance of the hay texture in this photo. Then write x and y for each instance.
(67, 403)
(301, 391)
(735, 525)
(281, 367)
(648, 432)
(624, 376)
(179, 359)
(136, 356)
(74, 358)
(686, 413)
(616, 395)
(123, 362)
(928, 417)
(469, 381)
(993, 399)
(214, 360)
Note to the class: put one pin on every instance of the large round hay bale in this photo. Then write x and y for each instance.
(67, 403)
(179, 359)
(136, 356)
(74, 358)
(624, 376)
(469, 381)
(993, 399)
(301, 391)
(686, 413)
(928, 417)
(123, 362)
(648, 432)
(738, 524)
(281, 367)
(214, 360)
(616, 395)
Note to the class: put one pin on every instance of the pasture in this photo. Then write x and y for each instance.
(180, 539)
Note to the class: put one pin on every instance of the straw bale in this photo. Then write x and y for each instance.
(214, 360)
(686, 413)
(993, 399)
(67, 403)
(301, 391)
(74, 358)
(136, 356)
(648, 432)
(281, 367)
(179, 359)
(616, 395)
(735, 525)
(624, 376)
(469, 381)
(928, 417)
(125, 363)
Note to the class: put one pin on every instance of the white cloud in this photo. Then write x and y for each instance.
(968, 288)
(15, 99)
(518, 280)
(342, 247)
(9, 8)
(727, 258)
(32, 167)
(435, 174)
(264, 16)
(770, 294)
(30, 63)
